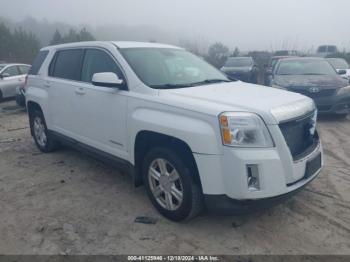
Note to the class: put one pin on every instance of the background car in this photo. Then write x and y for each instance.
(11, 77)
(241, 68)
(315, 78)
(340, 65)
(326, 50)
(270, 66)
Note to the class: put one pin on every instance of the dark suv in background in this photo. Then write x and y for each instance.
(241, 68)
(315, 78)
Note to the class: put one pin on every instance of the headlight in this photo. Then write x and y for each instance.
(344, 90)
(240, 129)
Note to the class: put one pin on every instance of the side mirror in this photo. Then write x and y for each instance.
(107, 79)
(4, 75)
(341, 72)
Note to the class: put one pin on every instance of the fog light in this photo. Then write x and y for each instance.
(253, 177)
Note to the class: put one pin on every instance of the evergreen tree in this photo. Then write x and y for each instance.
(85, 35)
(218, 54)
(17, 46)
(57, 38)
(5, 42)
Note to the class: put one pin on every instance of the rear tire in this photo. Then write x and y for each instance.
(42, 137)
(170, 185)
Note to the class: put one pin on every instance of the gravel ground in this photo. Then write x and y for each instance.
(69, 203)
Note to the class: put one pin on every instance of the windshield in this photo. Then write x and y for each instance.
(170, 68)
(238, 62)
(1, 67)
(305, 67)
(339, 63)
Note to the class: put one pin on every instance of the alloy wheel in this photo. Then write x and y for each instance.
(165, 184)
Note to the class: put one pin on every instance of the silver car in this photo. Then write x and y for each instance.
(11, 77)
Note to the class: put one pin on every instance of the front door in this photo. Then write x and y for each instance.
(101, 111)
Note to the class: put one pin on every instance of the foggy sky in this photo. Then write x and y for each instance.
(248, 24)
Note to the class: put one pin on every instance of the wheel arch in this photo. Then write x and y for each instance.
(145, 140)
(31, 107)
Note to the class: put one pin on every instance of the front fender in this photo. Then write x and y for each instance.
(198, 134)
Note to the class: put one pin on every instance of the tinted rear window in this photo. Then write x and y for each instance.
(24, 69)
(322, 49)
(38, 61)
(67, 64)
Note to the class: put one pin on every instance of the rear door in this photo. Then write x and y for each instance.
(100, 112)
(9, 83)
(64, 77)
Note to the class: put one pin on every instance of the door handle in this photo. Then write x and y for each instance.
(80, 91)
(47, 84)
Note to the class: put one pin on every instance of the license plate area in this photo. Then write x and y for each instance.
(312, 166)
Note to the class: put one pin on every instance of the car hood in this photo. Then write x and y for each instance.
(239, 96)
(320, 81)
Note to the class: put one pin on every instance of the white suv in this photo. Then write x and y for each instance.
(194, 138)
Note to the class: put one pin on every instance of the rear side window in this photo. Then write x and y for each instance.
(67, 64)
(97, 61)
(12, 71)
(38, 61)
(24, 69)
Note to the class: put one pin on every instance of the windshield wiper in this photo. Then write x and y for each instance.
(210, 81)
(169, 86)
(207, 81)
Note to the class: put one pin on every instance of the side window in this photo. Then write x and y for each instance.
(38, 61)
(24, 69)
(12, 71)
(67, 64)
(97, 61)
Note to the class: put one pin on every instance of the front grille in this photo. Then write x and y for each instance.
(321, 92)
(300, 135)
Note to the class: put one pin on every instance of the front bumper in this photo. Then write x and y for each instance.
(222, 204)
(338, 104)
(225, 176)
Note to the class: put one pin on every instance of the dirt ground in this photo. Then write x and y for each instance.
(69, 203)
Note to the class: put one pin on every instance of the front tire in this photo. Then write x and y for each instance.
(170, 185)
(42, 138)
